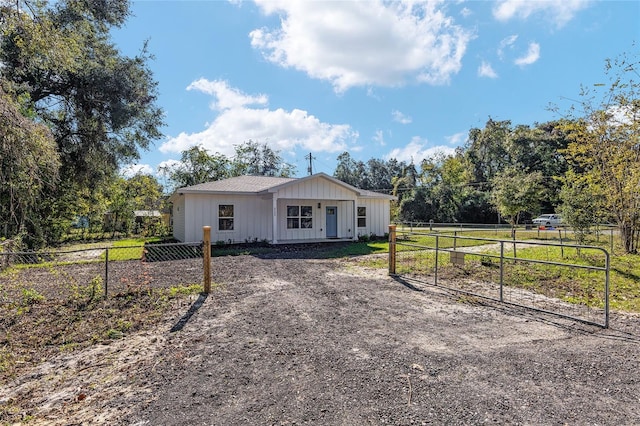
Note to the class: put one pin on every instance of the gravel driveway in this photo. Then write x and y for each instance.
(293, 341)
(303, 341)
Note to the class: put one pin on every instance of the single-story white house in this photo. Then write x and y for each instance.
(279, 210)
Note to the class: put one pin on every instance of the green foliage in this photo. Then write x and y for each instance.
(515, 192)
(197, 165)
(605, 146)
(96, 107)
(29, 165)
(580, 208)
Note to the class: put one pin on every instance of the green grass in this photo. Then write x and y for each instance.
(575, 285)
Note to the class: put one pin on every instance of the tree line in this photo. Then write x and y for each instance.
(74, 109)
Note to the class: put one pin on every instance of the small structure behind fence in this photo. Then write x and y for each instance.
(562, 279)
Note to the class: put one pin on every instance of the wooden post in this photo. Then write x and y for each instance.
(392, 249)
(206, 251)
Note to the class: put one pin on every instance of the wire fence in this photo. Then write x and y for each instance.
(560, 278)
(99, 271)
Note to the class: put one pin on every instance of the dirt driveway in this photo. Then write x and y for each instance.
(300, 341)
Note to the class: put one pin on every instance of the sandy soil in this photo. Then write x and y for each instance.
(302, 341)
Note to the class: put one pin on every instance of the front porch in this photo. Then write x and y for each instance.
(314, 241)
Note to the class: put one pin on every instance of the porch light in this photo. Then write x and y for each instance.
(319, 205)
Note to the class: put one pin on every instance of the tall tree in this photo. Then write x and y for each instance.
(605, 145)
(253, 158)
(28, 169)
(99, 105)
(196, 166)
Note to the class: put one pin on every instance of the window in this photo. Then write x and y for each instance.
(225, 217)
(299, 217)
(362, 217)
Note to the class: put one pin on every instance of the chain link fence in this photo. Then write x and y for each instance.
(98, 271)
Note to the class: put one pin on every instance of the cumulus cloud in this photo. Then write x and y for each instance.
(417, 150)
(131, 170)
(400, 117)
(486, 70)
(532, 55)
(457, 138)
(240, 118)
(372, 43)
(557, 11)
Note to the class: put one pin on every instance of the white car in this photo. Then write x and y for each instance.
(548, 220)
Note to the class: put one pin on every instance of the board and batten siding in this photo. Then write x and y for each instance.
(316, 189)
(378, 216)
(252, 217)
(178, 220)
(319, 230)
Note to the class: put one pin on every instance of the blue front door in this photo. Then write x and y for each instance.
(332, 222)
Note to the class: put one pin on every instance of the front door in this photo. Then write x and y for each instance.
(332, 222)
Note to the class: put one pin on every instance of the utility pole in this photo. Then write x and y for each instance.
(310, 157)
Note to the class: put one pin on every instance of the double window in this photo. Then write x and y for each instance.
(299, 217)
(225, 217)
(362, 217)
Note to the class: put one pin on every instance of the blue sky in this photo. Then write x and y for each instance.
(377, 79)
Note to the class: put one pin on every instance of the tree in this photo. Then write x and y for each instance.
(99, 105)
(515, 192)
(348, 170)
(252, 158)
(580, 208)
(197, 166)
(605, 145)
(28, 169)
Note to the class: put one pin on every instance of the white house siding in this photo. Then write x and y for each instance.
(378, 216)
(178, 220)
(316, 189)
(319, 230)
(251, 221)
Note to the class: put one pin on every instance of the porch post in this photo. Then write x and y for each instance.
(274, 239)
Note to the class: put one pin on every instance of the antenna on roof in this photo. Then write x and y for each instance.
(310, 157)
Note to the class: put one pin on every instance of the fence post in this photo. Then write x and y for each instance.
(206, 251)
(502, 271)
(455, 240)
(435, 274)
(106, 273)
(392, 249)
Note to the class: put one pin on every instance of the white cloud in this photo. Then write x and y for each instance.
(237, 122)
(506, 42)
(400, 117)
(486, 70)
(457, 138)
(379, 138)
(372, 43)
(131, 170)
(466, 12)
(417, 150)
(227, 97)
(533, 54)
(558, 11)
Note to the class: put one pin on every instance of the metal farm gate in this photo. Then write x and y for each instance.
(567, 280)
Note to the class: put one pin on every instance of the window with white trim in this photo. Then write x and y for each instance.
(362, 217)
(225, 217)
(299, 217)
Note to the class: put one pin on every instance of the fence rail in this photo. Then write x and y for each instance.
(568, 280)
(108, 270)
